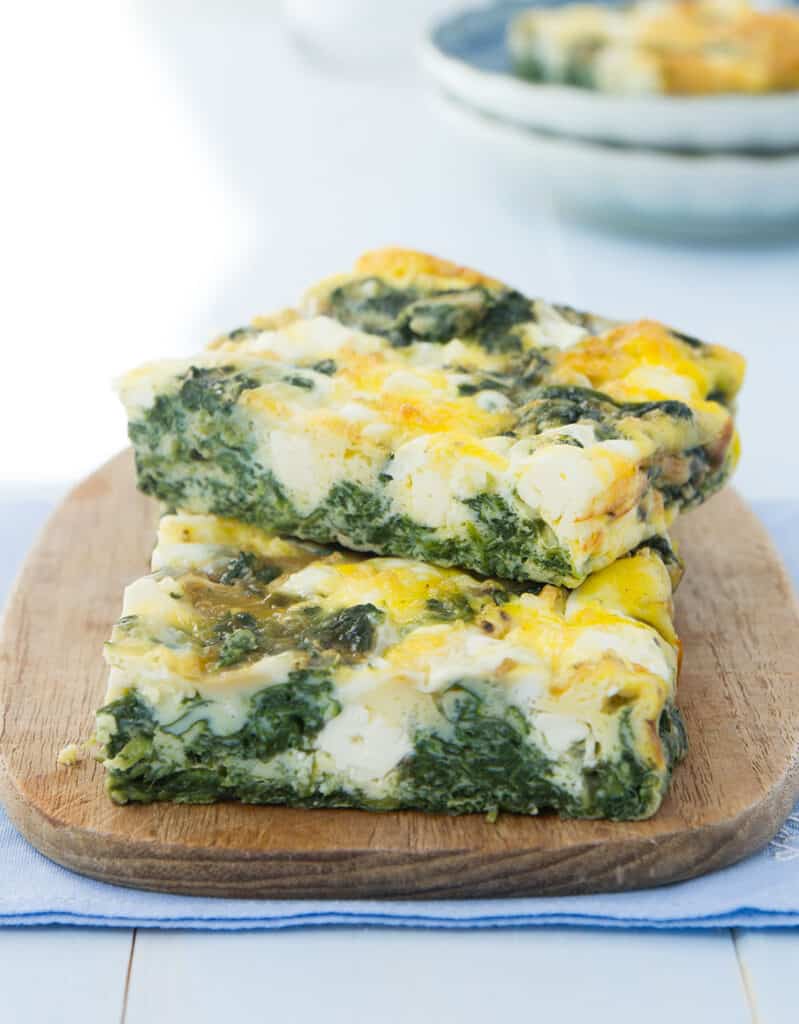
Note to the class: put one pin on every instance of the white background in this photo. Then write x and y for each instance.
(173, 168)
(169, 170)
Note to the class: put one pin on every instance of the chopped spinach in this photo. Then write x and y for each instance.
(250, 571)
(282, 717)
(236, 637)
(488, 317)
(484, 763)
(152, 762)
(489, 761)
(195, 449)
(560, 405)
(576, 316)
(626, 787)
(133, 718)
(455, 607)
(369, 304)
(671, 730)
(444, 315)
(701, 479)
(662, 546)
(511, 541)
(507, 545)
(579, 65)
(341, 635)
(689, 339)
(298, 381)
(505, 312)
(351, 631)
(214, 390)
(530, 67)
(326, 366)
(241, 332)
(666, 407)
(517, 383)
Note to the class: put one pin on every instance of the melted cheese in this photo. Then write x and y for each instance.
(643, 360)
(362, 745)
(401, 586)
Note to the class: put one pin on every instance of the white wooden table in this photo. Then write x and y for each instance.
(186, 168)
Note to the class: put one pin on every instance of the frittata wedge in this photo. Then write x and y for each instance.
(418, 409)
(678, 47)
(249, 667)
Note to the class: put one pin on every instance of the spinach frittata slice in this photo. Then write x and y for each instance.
(673, 47)
(249, 667)
(417, 409)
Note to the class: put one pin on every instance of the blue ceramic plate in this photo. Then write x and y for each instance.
(465, 54)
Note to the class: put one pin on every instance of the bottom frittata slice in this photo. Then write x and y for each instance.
(250, 667)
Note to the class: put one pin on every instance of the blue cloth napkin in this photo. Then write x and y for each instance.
(762, 891)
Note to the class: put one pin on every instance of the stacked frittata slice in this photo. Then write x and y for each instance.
(252, 667)
(422, 412)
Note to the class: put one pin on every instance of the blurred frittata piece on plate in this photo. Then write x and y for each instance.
(249, 667)
(680, 47)
(419, 409)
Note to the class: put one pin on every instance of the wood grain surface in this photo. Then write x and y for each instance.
(739, 692)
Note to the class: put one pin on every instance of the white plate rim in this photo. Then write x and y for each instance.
(723, 191)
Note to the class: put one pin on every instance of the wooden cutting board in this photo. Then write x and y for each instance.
(739, 692)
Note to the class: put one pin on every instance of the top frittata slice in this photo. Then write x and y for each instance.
(419, 409)
(681, 47)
